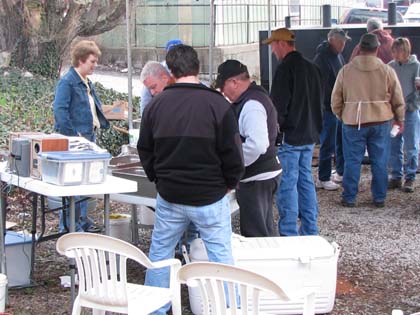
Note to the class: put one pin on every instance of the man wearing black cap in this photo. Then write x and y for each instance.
(297, 95)
(330, 60)
(257, 119)
(366, 97)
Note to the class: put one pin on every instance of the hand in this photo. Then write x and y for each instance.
(417, 83)
(400, 124)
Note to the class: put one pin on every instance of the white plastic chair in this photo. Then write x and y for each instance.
(242, 285)
(400, 312)
(103, 287)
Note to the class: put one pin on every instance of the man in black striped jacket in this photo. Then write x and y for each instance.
(190, 147)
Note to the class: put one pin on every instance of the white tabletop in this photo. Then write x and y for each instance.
(151, 202)
(111, 185)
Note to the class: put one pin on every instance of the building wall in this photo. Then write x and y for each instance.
(247, 54)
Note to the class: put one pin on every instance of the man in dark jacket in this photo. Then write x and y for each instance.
(190, 147)
(257, 120)
(330, 60)
(297, 95)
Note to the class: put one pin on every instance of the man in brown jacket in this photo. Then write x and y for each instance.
(366, 97)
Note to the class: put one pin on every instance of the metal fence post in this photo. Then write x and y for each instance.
(247, 24)
(326, 15)
(392, 13)
(287, 22)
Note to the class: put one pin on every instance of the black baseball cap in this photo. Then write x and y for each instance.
(228, 69)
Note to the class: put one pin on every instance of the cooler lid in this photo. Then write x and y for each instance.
(74, 155)
(14, 238)
(292, 247)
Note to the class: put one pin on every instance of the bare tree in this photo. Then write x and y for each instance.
(38, 32)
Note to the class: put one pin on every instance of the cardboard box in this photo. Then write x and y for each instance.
(295, 263)
(117, 111)
(22, 134)
(45, 143)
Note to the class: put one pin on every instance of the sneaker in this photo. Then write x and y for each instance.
(394, 183)
(347, 204)
(408, 185)
(337, 178)
(379, 204)
(93, 229)
(327, 185)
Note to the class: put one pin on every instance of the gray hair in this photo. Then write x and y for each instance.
(374, 24)
(153, 69)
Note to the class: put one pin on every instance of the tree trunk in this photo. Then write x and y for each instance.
(39, 32)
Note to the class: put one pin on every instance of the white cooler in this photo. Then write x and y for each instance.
(294, 263)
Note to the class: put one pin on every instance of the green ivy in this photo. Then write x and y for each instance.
(26, 105)
(48, 63)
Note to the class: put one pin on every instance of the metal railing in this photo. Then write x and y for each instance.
(235, 21)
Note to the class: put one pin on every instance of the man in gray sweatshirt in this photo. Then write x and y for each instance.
(405, 144)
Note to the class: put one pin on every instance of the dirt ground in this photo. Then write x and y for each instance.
(378, 268)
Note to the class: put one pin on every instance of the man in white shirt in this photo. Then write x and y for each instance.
(257, 119)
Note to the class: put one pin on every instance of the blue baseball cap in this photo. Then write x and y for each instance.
(173, 42)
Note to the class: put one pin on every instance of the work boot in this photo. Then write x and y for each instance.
(408, 185)
(394, 183)
(379, 204)
(347, 204)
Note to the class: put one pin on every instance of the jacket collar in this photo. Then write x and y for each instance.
(76, 77)
(199, 86)
(252, 87)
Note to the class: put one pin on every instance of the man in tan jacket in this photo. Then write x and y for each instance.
(366, 97)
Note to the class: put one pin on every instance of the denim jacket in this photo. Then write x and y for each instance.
(72, 111)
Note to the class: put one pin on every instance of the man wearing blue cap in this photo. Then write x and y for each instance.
(145, 94)
(171, 43)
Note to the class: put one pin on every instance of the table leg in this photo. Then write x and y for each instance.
(134, 225)
(33, 232)
(106, 213)
(2, 234)
(72, 225)
(2, 228)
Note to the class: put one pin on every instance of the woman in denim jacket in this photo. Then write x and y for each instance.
(78, 110)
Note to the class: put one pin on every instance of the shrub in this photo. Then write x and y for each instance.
(26, 105)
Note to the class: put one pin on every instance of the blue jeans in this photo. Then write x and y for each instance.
(408, 144)
(171, 220)
(339, 155)
(83, 222)
(296, 196)
(376, 139)
(331, 144)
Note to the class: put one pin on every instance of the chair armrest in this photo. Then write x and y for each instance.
(166, 263)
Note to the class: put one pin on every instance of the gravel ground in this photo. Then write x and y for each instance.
(378, 268)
